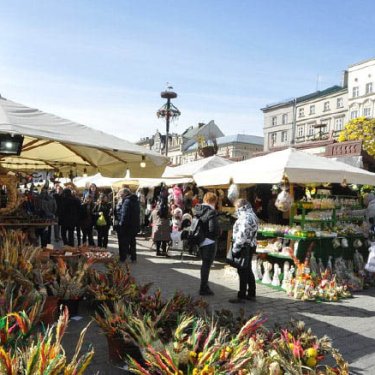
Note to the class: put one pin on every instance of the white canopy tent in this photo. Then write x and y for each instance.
(151, 182)
(190, 169)
(97, 179)
(51, 142)
(297, 166)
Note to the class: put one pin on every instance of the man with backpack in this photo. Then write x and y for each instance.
(205, 231)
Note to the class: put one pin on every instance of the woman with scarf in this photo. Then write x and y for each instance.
(244, 234)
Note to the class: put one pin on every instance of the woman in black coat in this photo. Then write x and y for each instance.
(69, 216)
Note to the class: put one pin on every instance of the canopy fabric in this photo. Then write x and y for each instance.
(190, 169)
(298, 166)
(97, 179)
(151, 182)
(52, 142)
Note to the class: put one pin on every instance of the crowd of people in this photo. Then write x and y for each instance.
(164, 210)
(75, 215)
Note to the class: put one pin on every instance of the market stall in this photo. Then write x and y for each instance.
(322, 225)
(54, 143)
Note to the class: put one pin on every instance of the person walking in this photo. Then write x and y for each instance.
(128, 225)
(244, 234)
(69, 216)
(206, 212)
(161, 228)
(102, 210)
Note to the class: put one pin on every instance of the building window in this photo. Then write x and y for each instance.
(284, 136)
(310, 129)
(285, 119)
(353, 114)
(301, 112)
(272, 139)
(340, 102)
(369, 88)
(339, 122)
(326, 106)
(274, 120)
(355, 92)
(367, 112)
(300, 131)
(312, 109)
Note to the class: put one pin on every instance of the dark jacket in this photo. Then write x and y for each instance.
(87, 217)
(129, 215)
(208, 217)
(70, 210)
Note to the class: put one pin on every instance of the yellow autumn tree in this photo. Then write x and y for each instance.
(360, 128)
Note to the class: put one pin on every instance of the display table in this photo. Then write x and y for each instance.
(323, 248)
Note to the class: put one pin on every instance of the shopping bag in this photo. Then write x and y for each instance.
(101, 222)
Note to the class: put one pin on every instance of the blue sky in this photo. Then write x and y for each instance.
(104, 63)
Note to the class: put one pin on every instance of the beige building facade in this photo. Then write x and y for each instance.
(322, 114)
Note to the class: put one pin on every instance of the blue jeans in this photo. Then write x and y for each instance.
(208, 254)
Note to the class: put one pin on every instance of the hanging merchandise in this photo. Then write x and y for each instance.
(283, 201)
(233, 192)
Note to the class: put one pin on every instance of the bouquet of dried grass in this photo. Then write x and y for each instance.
(45, 354)
(70, 279)
(200, 347)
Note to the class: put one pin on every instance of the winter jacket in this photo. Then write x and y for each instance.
(70, 210)
(161, 227)
(129, 214)
(208, 217)
(87, 217)
(245, 228)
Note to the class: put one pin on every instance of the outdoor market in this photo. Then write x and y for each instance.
(63, 199)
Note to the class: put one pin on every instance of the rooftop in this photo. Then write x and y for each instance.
(235, 138)
(313, 95)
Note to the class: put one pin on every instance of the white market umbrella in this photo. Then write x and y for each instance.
(51, 142)
(97, 179)
(151, 182)
(189, 169)
(297, 166)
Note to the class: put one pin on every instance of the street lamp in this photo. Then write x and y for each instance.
(11, 144)
(168, 111)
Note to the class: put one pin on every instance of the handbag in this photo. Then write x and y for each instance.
(242, 259)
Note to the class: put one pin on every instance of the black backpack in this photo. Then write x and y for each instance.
(196, 233)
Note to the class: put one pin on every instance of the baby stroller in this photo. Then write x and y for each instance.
(185, 225)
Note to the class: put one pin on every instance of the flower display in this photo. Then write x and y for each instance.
(199, 347)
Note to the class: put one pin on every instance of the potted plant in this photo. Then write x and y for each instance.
(69, 283)
(116, 325)
(115, 284)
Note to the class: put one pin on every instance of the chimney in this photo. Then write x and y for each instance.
(345, 78)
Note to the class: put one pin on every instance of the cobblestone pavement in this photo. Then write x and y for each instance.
(349, 323)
